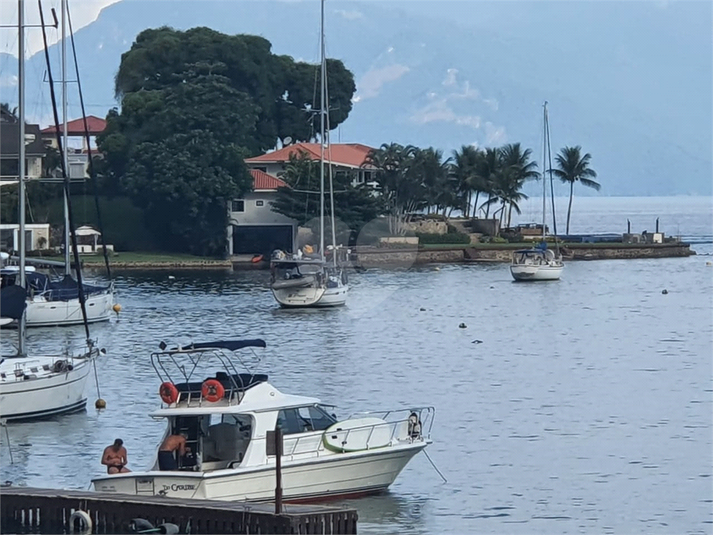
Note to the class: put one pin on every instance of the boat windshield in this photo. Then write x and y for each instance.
(304, 419)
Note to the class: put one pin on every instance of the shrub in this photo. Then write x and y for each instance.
(450, 239)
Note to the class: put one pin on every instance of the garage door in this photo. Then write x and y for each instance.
(249, 239)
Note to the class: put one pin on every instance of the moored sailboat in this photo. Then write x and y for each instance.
(540, 263)
(312, 280)
(34, 386)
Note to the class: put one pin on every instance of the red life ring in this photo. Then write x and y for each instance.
(212, 390)
(168, 393)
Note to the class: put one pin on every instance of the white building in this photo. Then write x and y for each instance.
(37, 236)
(254, 227)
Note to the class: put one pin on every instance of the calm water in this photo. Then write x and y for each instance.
(586, 408)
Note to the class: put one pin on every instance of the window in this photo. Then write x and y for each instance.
(238, 206)
(304, 420)
(259, 203)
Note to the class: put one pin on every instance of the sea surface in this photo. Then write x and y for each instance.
(578, 406)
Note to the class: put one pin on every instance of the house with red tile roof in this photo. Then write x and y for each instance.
(343, 157)
(78, 157)
(254, 227)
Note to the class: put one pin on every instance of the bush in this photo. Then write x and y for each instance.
(450, 239)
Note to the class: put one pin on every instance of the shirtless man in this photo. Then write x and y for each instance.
(166, 458)
(115, 458)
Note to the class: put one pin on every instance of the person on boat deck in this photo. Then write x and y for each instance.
(115, 458)
(173, 443)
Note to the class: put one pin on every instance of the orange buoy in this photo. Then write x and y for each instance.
(257, 258)
(168, 393)
(212, 390)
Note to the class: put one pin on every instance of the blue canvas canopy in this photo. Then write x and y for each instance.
(12, 301)
(232, 345)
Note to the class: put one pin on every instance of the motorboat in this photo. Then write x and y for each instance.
(226, 417)
(536, 264)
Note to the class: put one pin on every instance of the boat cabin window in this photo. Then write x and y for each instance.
(304, 420)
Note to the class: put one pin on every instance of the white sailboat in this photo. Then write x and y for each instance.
(314, 281)
(55, 302)
(225, 419)
(540, 263)
(35, 386)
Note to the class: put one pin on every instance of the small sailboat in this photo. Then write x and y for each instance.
(34, 386)
(56, 301)
(305, 279)
(540, 263)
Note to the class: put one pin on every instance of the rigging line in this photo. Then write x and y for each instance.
(92, 172)
(552, 187)
(73, 234)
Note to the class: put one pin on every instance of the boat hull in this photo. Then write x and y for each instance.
(535, 273)
(42, 313)
(325, 477)
(44, 396)
(311, 297)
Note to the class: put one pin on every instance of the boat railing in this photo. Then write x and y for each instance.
(313, 443)
(426, 415)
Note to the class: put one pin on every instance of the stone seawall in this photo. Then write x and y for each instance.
(368, 257)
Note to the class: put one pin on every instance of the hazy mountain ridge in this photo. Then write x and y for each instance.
(622, 79)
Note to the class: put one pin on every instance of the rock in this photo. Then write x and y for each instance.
(664, 291)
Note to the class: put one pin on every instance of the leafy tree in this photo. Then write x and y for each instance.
(573, 167)
(282, 90)
(354, 206)
(194, 104)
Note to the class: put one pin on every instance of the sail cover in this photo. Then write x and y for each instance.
(12, 301)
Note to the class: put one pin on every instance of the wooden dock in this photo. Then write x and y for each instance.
(34, 510)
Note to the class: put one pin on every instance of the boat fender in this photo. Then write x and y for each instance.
(80, 522)
(212, 390)
(168, 393)
(167, 528)
(140, 525)
(257, 258)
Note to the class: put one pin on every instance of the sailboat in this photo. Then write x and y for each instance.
(36, 386)
(540, 263)
(55, 302)
(309, 280)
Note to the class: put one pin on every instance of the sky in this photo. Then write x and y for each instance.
(83, 12)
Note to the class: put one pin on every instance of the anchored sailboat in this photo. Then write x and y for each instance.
(312, 280)
(540, 263)
(35, 386)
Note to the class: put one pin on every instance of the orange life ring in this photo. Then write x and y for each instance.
(212, 390)
(257, 258)
(168, 393)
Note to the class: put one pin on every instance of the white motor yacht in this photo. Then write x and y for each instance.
(225, 419)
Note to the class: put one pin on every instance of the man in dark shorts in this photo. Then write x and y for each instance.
(115, 458)
(166, 453)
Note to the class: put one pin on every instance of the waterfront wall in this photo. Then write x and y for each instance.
(368, 257)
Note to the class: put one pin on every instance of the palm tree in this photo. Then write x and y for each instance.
(464, 172)
(572, 167)
(488, 171)
(519, 170)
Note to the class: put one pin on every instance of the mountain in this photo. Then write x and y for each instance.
(628, 81)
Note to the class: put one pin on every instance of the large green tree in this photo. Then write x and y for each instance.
(194, 104)
(573, 167)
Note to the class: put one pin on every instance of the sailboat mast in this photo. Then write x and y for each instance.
(544, 167)
(21, 163)
(322, 111)
(65, 156)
